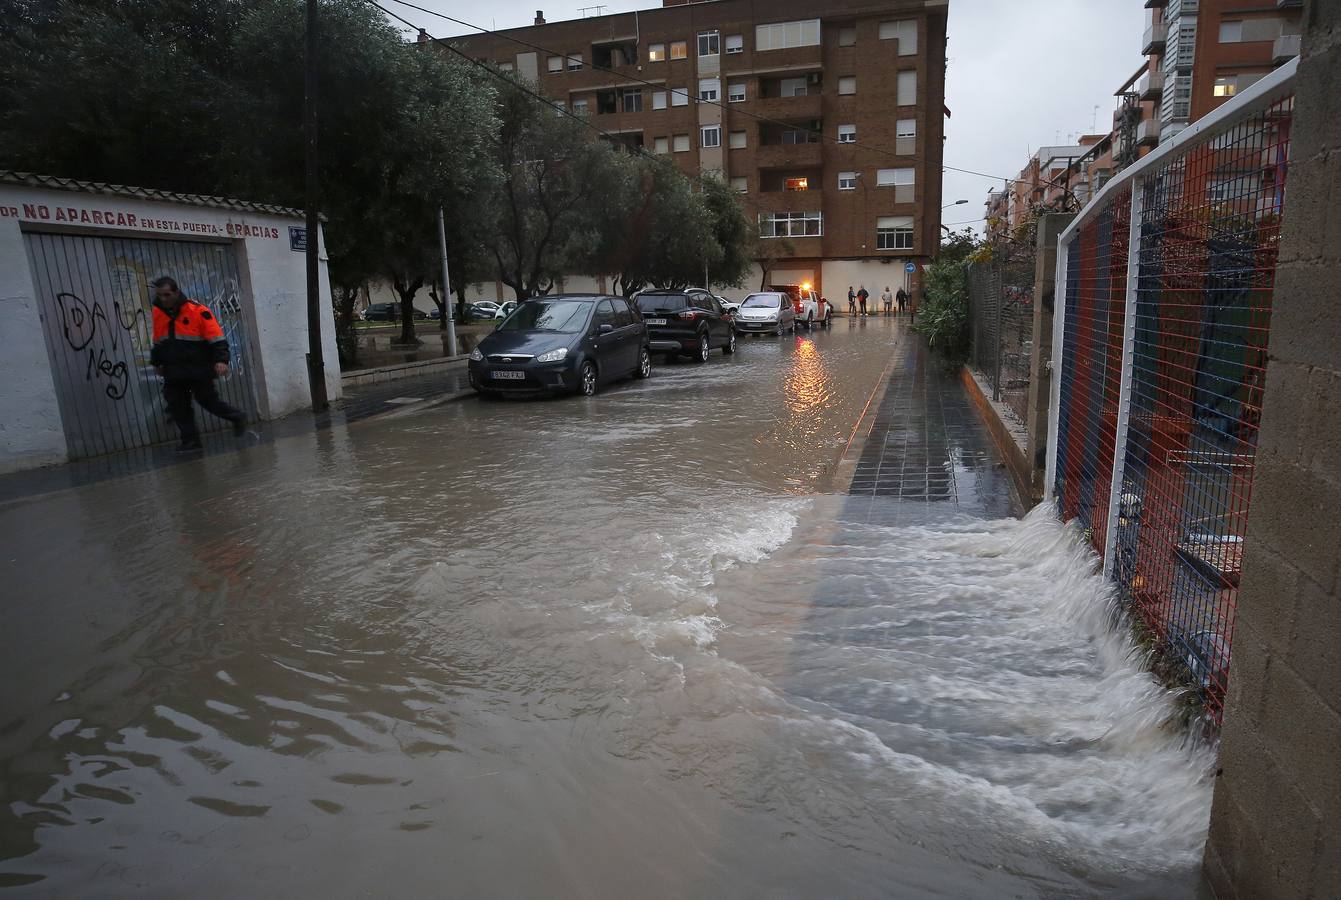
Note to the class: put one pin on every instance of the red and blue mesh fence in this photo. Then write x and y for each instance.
(1210, 212)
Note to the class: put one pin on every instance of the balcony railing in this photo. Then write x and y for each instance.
(1285, 47)
(1151, 85)
(1177, 7)
(1154, 39)
(807, 107)
(794, 156)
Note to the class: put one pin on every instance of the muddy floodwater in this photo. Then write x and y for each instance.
(643, 645)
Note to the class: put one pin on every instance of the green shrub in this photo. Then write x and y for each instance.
(943, 316)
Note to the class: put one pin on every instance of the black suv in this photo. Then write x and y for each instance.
(686, 322)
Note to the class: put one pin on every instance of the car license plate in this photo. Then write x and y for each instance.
(506, 375)
(655, 321)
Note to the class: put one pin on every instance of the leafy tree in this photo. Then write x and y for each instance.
(669, 237)
(555, 194)
(731, 232)
(944, 317)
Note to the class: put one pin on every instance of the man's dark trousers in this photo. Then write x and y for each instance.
(177, 394)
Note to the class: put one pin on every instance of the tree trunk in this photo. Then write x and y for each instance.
(346, 333)
(406, 291)
(441, 303)
(461, 302)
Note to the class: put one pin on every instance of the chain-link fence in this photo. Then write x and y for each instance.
(1001, 319)
(1161, 343)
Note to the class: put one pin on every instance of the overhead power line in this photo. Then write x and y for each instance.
(634, 78)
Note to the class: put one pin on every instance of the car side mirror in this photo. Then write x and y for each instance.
(606, 329)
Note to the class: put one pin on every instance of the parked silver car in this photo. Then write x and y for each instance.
(769, 312)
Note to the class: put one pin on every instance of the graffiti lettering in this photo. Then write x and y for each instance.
(79, 324)
(114, 371)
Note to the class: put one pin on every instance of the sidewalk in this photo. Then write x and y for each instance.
(365, 401)
(923, 442)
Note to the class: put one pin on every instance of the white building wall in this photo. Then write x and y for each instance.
(274, 294)
(874, 274)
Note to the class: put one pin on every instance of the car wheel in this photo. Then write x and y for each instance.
(778, 332)
(587, 382)
(644, 364)
(730, 346)
(810, 321)
(704, 348)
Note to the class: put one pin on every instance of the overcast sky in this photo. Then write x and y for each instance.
(1023, 73)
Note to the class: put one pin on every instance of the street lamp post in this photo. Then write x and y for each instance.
(316, 366)
(956, 203)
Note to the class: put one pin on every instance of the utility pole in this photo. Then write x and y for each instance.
(316, 366)
(446, 287)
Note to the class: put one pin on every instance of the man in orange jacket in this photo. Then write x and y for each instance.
(190, 351)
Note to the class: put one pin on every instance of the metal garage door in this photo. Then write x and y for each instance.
(95, 299)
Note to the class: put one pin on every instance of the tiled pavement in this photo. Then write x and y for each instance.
(927, 446)
(374, 399)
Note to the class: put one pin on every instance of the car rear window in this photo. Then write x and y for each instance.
(655, 303)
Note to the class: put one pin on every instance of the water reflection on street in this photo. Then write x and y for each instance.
(636, 645)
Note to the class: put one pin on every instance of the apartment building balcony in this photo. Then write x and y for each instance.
(806, 107)
(1155, 4)
(1151, 85)
(788, 201)
(1154, 39)
(1177, 7)
(1284, 48)
(789, 156)
(1147, 132)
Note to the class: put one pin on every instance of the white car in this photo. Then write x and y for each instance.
(811, 308)
(484, 309)
(505, 310)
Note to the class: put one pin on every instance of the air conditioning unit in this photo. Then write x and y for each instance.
(815, 77)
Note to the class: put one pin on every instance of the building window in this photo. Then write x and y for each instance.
(1231, 32)
(660, 145)
(680, 143)
(847, 181)
(737, 140)
(893, 177)
(740, 184)
(679, 50)
(709, 89)
(710, 136)
(735, 43)
(904, 31)
(679, 96)
(847, 84)
(907, 88)
(658, 99)
(1225, 86)
(791, 224)
(847, 134)
(894, 233)
(797, 184)
(554, 64)
(656, 52)
(505, 67)
(632, 100)
(560, 108)
(735, 93)
(709, 43)
(905, 137)
(793, 87)
(847, 37)
(799, 136)
(782, 35)
(574, 62)
(580, 107)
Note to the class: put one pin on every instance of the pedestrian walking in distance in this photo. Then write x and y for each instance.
(190, 351)
(903, 300)
(862, 295)
(888, 299)
(851, 301)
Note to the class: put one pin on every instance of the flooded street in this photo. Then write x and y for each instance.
(643, 645)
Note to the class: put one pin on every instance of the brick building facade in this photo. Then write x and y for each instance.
(829, 121)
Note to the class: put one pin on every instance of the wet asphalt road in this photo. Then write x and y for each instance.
(637, 645)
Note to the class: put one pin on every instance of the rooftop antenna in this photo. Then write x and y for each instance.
(598, 10)
(1094, 122)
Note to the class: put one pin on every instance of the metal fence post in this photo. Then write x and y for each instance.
(1125, 378)
(1055, 365)
(998, 286)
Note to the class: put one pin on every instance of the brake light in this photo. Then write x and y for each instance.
(690, 314)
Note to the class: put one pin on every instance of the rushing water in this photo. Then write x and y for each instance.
(632, 646)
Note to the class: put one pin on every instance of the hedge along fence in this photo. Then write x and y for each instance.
(1160, 348)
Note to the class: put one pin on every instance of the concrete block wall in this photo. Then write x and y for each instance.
(1274, 823)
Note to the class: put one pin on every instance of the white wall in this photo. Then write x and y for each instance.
(30, 422)
(839, 273)
(274, 295)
